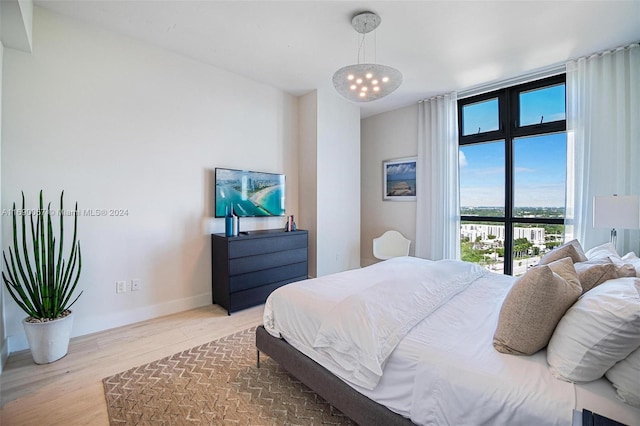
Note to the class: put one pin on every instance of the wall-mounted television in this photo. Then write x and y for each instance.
(251, 194)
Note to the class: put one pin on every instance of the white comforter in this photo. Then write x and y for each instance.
(361, 331)
(445, 370)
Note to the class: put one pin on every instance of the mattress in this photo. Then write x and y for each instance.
(445, 370)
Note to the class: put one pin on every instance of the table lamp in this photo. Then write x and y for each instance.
(616, 211)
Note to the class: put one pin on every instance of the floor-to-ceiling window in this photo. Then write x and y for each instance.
(513, 151)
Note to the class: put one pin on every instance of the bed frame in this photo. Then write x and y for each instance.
(350, 402)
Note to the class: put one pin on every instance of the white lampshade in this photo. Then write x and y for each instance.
(616, 211)
(366, 82)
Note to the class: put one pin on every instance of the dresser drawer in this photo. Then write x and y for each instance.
(259, 246)
(267, 276)
(242, 265)
(255, 296)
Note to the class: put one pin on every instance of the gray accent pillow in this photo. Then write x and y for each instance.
(572, 249)
(534, 306)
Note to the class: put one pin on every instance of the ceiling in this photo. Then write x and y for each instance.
(439, 46)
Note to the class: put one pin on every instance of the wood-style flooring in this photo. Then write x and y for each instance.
(69, 391)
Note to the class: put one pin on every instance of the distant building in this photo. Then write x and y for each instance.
(535, 235)
(472, 231)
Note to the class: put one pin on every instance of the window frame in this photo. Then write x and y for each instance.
(509, 130)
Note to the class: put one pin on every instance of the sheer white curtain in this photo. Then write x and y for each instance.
(603, 131)
(437, 204)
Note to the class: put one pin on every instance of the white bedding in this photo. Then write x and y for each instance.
(361, 331)
(445, 370)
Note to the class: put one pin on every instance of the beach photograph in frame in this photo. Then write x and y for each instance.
(399, 179)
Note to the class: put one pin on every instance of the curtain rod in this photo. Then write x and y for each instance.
(606, 52)
(514, 81)
(495, 85)
(537, 74)
(530, 76)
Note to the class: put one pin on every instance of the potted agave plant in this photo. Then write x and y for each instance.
(41, 280)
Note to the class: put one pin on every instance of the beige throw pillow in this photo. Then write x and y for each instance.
(625, 270)
(572, 249)
(631, 259)
(607, 251)
(593, 273)
(534, 306)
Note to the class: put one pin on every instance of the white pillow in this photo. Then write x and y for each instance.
(625, 377)
(602, 252)
(600, 329)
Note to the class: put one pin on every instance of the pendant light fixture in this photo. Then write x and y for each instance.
(366, 82)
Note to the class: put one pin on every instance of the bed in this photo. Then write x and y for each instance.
(431, 360)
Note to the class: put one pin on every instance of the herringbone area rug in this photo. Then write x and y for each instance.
(217, 383)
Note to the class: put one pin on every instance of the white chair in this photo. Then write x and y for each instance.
(391, 244)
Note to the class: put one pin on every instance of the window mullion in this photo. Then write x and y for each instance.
(508, 203)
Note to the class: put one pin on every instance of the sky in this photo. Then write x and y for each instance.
(402, 171)
(539, 161)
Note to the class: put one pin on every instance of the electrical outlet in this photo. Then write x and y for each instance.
(135, 285)
(121, 286)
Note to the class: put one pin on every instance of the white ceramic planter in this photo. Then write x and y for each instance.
(48, 341)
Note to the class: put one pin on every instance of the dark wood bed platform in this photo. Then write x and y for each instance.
(351, 403)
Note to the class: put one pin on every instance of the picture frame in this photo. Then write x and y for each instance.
(399, 179)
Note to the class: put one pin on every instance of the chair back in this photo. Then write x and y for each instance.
(391, 244)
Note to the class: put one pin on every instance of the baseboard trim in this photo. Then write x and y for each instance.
(89, 324)
(4, 354)
(119, 319)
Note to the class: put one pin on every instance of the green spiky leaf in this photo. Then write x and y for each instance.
(40, 278)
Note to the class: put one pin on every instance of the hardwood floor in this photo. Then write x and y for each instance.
(69, 391)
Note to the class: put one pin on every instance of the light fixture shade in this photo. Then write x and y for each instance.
(616, 211)
(366, 82)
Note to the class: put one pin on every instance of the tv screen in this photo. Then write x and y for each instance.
(251, 194)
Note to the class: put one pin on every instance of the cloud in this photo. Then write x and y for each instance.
(491, 171)
(486, 196)
(462, 159)
(536, 195)
(402, 168)
(524, 170)
(540, 195)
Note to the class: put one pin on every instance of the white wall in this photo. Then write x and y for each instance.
(308, 139)
(330, 180)
(4, 349)
(15, 32)
(338, 172)
(386, 136)
(119, 124)
(17, 24)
